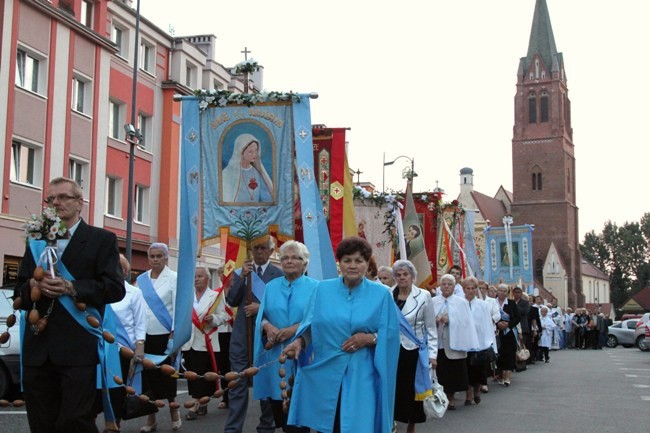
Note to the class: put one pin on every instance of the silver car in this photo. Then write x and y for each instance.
(622, 333)
(639, 335)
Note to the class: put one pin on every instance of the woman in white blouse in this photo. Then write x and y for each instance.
(417, 307)
(200, 352)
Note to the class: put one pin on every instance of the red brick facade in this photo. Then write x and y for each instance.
(544, 189)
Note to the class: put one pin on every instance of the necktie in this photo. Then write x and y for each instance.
(259, 271)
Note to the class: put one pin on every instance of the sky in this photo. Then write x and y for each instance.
(435, 80)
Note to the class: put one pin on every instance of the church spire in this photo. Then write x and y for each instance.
(541, 38)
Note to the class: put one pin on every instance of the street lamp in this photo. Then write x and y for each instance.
(411, 175)
(133, 137)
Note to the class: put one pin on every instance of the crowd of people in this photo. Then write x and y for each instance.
(365, 342)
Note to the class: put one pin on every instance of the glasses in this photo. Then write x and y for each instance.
(61, 197)
(292, 258)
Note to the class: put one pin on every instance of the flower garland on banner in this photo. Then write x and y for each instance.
(222, 98)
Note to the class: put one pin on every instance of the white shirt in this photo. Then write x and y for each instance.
(131, 312)
(165, 286)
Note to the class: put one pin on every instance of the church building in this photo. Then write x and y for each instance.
(543, 169)
(543, 155)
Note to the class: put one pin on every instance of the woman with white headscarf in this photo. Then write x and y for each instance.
(477, 366)
(245, 179)
(456, 337)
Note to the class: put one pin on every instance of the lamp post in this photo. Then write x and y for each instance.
(133, 136)
(410, 177)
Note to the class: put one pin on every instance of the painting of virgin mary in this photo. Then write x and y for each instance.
(245, 179)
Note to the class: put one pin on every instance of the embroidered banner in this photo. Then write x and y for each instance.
(247, 171)
(499, 258)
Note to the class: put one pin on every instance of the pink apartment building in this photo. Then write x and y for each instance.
(66, 79)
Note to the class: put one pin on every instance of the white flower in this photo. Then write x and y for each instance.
(203, 105)
(51, 236)
(223, 101)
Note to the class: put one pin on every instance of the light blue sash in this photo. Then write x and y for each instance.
(257, 286)
(154, 302)
(423, 383)
(109, 362)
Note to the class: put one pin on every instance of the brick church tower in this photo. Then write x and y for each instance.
(543, 160)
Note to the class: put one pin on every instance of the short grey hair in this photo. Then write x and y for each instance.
(469, 280)
(296, 246)
(385, 268)
(159, 246)
(207, 271)
(449, 277)
(404, 264)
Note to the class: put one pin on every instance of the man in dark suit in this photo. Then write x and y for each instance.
(60, 361)
(246, 315)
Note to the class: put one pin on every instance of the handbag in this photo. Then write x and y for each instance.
(522, 354)
(481, 357)
(134, 407)
(435, 405)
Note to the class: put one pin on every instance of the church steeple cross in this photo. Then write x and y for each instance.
(245, 53)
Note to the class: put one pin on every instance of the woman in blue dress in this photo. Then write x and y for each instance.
(282, 309)
(352, 334)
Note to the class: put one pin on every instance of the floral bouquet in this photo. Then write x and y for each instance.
(247, 66)
(47, 226)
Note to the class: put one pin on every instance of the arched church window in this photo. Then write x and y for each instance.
(532, 108)
(537, 179)
(537, 69)
(544, 106)
(543, 74)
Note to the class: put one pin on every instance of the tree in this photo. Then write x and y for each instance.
(624, 254)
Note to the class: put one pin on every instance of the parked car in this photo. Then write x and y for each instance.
(639, 334)
(646, 341)
(622, 333)
(10, 351)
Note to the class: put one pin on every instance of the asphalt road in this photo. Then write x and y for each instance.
(587, 391)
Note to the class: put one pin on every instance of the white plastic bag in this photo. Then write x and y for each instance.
(435, 405)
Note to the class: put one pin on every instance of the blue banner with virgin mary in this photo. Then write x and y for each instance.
(247, 166)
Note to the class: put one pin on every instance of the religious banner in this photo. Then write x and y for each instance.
(450, 233)
(247, 171)
(254, 149)
(415, 243)
(332, 178)
(371, 225)
(509, 255)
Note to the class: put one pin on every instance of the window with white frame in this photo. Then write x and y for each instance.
(113, 204)
(190, 75)
(25, 163)
(147, 57)
(29, 70)
(86, 14)
(81, 93)
(116, 119)
(120, 36)
(145, 125)
(142, 204)
(78, 171)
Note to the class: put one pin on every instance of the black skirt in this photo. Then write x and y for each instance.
(406, 408)
(477, 374)
(452, 373)
(507, 351)
(155, 384)
(199, 362)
